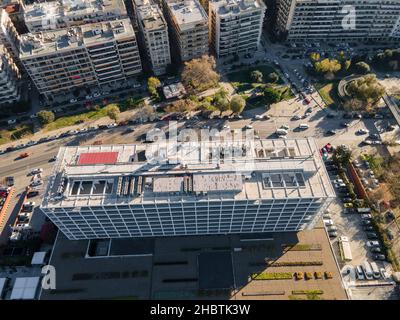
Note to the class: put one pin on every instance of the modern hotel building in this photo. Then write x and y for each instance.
(112, 191)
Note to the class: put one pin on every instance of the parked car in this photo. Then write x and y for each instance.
(332, 234)
(338, 181)
(347, 199)
(366, 216)
(372, 235)
(376, 250)
(330, 132)
(328, 222)
(332, 228)
(368, 228)
(348, 205)
(366, 222)
(379, 257)
(373, 243)
(362, 131)
(359, 273)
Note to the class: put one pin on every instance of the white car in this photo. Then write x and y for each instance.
(332, 228)
(285, 126)
(248, 126)
(362, 131)
(226, 127)
(73, 100)
(111, 125)
(88, 97)
(372, 243)
(33, 116)
(337, 181)
(366, 216)
(328, 222)
(12, 121)
(96, 94)
(36, 183)
(339, 185)
(359, 273)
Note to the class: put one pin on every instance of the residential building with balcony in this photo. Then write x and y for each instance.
(153, 30)
(92, 55)
(338, 20)
(9, 36)
(189, 27)
(63, 13)
(235, 26)
(204, 188)
(9, 78)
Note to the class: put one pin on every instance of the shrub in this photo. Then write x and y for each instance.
(272, 276)
(318, 275)
(328, 275)
(308, 275)
(307, 291)
(298, 275)
(295, 263)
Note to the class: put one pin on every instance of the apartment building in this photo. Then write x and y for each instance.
(338, 20)
(112, 191)
(235, 26)
(9, 78)
(91, 55)
(65, 13)
(154, 34)
(189, 27)
(9, 36)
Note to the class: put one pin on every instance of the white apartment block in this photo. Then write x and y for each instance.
(9, 36)
(154, 32)
(68, 13)
(189, 25)
(235, 26)
(338, 20)
(91, 55)
(9, 78)
(114, 191)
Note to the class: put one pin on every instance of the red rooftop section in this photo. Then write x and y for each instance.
(98, 158)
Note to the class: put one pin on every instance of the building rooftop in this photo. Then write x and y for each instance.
(150, 15)
(257, 170)
(187, 13)
(50, 41)
(229, 7)
(72, 10)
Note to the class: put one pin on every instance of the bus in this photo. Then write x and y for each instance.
(345, 249)
(375, 270)
(367, 270)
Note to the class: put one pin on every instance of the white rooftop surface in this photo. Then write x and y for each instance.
(25, 288)
(271, 169)
(232, 7)
(51, 41)
(151, 16)
(71, 9)
(187, 13)
(38, 258)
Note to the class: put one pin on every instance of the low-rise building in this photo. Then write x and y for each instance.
(235, 26)
(189, 27)
(91, 55)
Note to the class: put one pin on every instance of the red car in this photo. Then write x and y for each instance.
(307, 100)
(24, 155)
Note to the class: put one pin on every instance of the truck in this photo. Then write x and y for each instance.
(345, 249)
(375, 270)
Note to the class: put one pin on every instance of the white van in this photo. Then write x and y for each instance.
(304, 126)
(281, 132)
(359, 273)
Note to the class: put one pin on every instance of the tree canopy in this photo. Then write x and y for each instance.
(45, 117)
(113, 112)
(237, 104)
(199, 74)
(256, 76)
(271, 95)
(362, 67)
(366, 88)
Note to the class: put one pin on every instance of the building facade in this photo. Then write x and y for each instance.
(111, 192)
(153, 30)
(92, 55)
(338, 20)
(189, 27)
(9, 36)
(235, 26)
(9, 78)
(64, 13)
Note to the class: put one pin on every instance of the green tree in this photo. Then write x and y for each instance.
(327, 66)
(113, 111)
(273, 77)
(362, 67)
(152, 84)
(315, 56)
(272, 95)
(221, 103)
(45, 116)
(237, 104)
(366, 88)
(342, 155)
(256, 76)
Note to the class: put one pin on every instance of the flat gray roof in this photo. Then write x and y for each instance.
(265, 169)
(187, 13)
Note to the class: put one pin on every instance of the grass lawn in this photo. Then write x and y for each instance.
(15, 133)
(329, 94)
(243, 76)
(66, 121)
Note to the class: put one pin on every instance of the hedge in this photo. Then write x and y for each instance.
(295, 263)
(272, 276)
(307, 292)
(303, 247)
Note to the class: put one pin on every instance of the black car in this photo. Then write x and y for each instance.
(330, 115)
(374, 136)
(10, 181)
(379, 257)
(368, 228)
(331, 167)
(330, 132)
(366, 222)
(372, 235)
(32, 194)
(357, 115)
